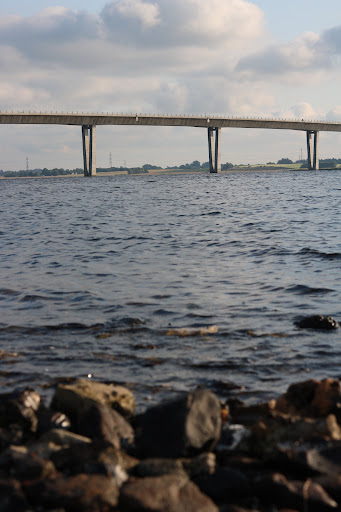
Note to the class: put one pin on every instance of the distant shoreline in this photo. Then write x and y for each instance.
(160, 172)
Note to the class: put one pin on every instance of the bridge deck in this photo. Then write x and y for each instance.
(81, 119)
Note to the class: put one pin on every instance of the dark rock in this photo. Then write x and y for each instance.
(203, 464)
(277, 490)
(311, 398)
(225, 485)
(320, 322)
(23, 465)
(326, 460)
(169, 493)
(80, 493)
(55, 439)
(331, 484)
(12, 498)
(183, 427)
(101, 423)
(20, 408)
(48, 420)
(95, 458)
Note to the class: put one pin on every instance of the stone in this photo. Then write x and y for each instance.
(169, 493)
(20, 408)
(48, 420)
(325, 460)
(95, 458)
(319, 322)
(224, 485)
(73, 399)
(101, 423)
(23, 465)
(311, 398)
(269, 435)
(182, 427)
(54, 440)
(12, 497)
(203, 464)
(80, 493)
(276, 490)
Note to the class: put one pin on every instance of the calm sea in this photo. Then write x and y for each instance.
(116, 278)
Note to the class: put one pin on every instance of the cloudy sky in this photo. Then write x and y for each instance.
(234, 57)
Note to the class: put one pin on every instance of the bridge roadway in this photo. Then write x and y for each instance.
(213, 124)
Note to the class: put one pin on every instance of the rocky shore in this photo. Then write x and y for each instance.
(87, 451)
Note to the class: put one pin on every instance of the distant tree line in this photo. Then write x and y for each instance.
(40, 172)
(325, 163)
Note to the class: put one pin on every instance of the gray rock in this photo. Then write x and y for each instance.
(183, 427)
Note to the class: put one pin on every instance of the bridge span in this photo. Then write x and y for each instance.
(213, 124)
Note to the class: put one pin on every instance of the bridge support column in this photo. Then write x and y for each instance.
(89, 149)
(313, 150)
(214, 149)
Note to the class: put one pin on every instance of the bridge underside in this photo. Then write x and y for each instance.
(214, 149)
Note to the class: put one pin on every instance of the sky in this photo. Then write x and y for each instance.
(257, 58)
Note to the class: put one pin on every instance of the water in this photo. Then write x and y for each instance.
(98, 274)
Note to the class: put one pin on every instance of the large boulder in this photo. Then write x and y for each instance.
(182, 427)
(98, 422)
(169, 493)
(75, 398)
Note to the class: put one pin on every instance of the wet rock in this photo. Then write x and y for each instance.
(225, 485)
(73, 399)
(311, 398)
(320, 322)
(12, 497)
(277, 490)
(95, 458)
(80, 493)
(169, 493)
(101, 423)
(20, 408)
(183, 427)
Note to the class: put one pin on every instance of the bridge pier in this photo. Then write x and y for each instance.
(214, 149)
(313, 150)
(89, 149)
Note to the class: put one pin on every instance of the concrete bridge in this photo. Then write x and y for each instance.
(213, 124)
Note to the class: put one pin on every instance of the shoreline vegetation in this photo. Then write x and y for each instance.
(195, 167)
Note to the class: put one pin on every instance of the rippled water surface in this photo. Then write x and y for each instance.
(118, 276)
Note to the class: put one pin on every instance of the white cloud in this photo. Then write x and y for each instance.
(147, 13)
